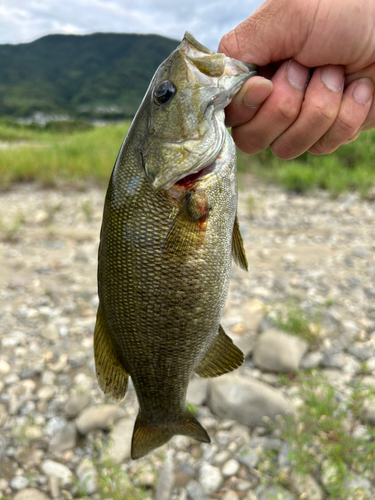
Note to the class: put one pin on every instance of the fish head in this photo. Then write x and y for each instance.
(186, 99)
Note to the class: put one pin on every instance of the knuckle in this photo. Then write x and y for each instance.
(323, 112)
(345, 125)
(284, 150)
(287, 111)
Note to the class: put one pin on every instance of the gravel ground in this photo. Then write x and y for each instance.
(60, 438)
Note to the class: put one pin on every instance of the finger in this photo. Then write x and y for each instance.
(246, 103)
(355, 106)
(319, 111)
(369, 73)
(278, 112)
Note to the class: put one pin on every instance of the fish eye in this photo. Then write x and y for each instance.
(164, 92)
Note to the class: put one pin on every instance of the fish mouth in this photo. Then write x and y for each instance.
(189, 180)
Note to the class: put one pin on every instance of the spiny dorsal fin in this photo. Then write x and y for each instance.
(148, 437)
(238, 250)
(112, 376)
(223, 357)
(185, 232)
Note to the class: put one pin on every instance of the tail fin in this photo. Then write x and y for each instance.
(147, 437)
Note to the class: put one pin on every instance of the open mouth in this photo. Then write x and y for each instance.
(191, 179)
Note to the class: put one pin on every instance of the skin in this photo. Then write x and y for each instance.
(286, 109)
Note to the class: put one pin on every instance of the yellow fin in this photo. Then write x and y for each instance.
(148, 437)
(238, 250)
(112, 376)
(223, 357)
(184, 233)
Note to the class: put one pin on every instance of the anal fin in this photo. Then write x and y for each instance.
(112, 376)
(148, 437)
(223, 357)
(238, 250)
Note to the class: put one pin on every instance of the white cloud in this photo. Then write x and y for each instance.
(22, 21)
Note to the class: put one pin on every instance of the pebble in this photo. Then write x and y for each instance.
(19, 482)
(4, 368)
(76, 404)
(246, 400)
(195, 491)
(278, 351)
(98, 417)
(87, 476)
(52, 468)
(30, 494)
(64, 439)
(210, 478)
(230, 468)
(119, 442)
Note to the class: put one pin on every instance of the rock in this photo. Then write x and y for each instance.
(369, 381)
(3, 415)
(278, 351)
(30, 494)
(355, 484)
(119, 441)
(361, 252)
(306, 485)
(54, 425)
(51, 468)
(311, 360)
(48, 377)
(98, 417)
(230, 495)
(19, 482)
(221, 457)
(230, 468)
(87, 476)
(50, 332)
(246, 400)
(197, 391)
(362, 350)
(46, 392)
(64, 439)
(76, 404)
(4, 368)
(195, 491)
(164, 486)
(273, 493)
(210, 478)
(249, 457)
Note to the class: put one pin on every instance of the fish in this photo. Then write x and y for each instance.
(169, 234)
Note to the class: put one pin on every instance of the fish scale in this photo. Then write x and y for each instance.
(166, 248)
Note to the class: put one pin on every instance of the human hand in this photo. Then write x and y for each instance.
(292, 112)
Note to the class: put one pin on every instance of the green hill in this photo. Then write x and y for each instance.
(103, 74)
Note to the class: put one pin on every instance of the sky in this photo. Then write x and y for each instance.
(26, 20)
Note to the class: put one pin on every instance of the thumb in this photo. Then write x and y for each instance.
(270, 34)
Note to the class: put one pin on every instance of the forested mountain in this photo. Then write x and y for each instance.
(103, 74)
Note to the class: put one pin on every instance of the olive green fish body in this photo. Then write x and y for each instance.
(164, 264)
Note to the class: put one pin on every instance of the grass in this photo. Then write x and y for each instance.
(326, 438)
(351, 167)
(291, 318)
(54, 158)
(74, 153)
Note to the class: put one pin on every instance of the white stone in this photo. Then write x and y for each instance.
(98, 417)
(230, 468)
(55, 469)
(210, 478)
(119, 442)
(278, 351)
(4, 368)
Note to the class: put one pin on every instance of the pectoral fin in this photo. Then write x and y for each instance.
(112, 376)
(186, 231)
(223, 357)
(238, 250)
(147, 437)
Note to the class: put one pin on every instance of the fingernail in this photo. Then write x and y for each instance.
(257, 93)
(363, 91)
(297, 74)
(333, 77)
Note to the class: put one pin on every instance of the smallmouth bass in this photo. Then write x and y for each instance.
(168, 236)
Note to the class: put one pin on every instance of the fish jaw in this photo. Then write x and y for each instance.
(187, 133)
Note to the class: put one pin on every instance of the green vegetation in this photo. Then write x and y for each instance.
(291, 318)
(104, 74)
(326, 439)
(54, 158)
(349, 168)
